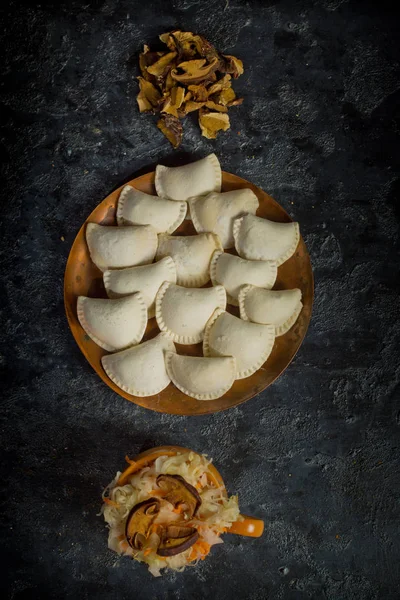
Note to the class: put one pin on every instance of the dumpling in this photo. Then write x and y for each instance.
(232, 272)
(182, 313)
(195, 179)
(261, 239)
(145, 279)
(277, 307)
(250, 343)
(199, 377)
(113, 324)
(217, 211)
(191, 255)
(140, 370)
(138, 208)
(118, 247)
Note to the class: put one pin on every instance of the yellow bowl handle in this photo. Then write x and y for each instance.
(249, 526)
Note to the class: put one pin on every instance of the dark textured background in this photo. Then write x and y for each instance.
(317, 454)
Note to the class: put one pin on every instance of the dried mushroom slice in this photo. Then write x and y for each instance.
(192, 106)
(232, 65)
(199, 92)
(148, 95)
(146, 59)
(180, 493)
(159, 69)
(212, 122)
(222, 84)
(139, 522)
(216, 107)
(171, 128)
(194, 71)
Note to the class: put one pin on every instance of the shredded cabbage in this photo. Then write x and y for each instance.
(215, 515)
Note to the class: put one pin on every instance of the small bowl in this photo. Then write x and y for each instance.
(247, 526)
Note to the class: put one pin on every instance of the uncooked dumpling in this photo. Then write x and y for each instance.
(261, 239)
(195, 179)
(250, 343)
(182, 313)
(113, 324)
(232, 272)
(277, 307)
(119, 247)
(217, 211)
(146, 279)
(199, 377)
(191, 255)
(137, 208)
(140, 370)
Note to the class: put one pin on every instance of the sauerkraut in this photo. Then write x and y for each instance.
(215, 515)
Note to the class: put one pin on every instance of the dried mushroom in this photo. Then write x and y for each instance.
(139, 522)
(190, 75)
(180, 493)
(171, 128)
(212, 122)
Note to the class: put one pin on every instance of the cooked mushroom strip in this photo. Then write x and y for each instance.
(178, 531)
(180, 492)
(139, 521)
(172, 546)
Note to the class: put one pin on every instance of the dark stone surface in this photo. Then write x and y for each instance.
(317, 455)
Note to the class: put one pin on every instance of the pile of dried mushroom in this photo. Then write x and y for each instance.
(191, 75)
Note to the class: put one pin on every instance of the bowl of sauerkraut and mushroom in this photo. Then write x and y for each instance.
(169, 507)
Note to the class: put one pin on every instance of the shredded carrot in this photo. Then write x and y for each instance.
(128, 471)
(198, 486)
(155, 528)
(111, 502)
(120, 538)
(177, 510)
(199, 550)
(147, 551)
(157, 493)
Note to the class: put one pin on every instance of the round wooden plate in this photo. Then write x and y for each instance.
(82, 278)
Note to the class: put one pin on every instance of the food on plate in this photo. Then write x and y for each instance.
(280, 308)
(169, 510)
(261, 239)
(233, 272)
(146, 279)
(249, 343)
(190, 75)
(140, 370)
(118, 247)
(182, 313)
(191, 255)
(201, 377)
(195, 179)
(137, 208)
(216, 212)
(171, 288)
(113, 324)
